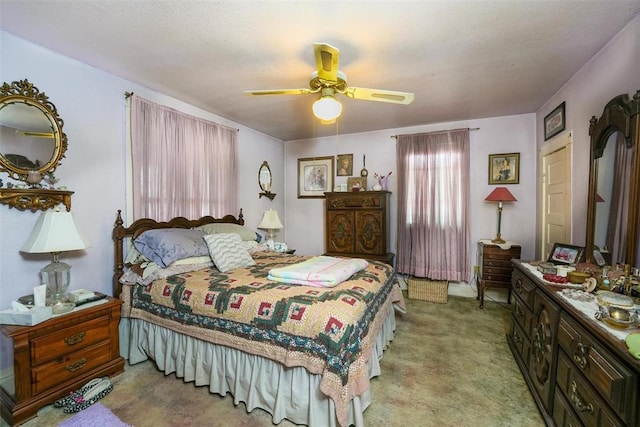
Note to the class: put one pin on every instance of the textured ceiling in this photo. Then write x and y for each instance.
(462, 59)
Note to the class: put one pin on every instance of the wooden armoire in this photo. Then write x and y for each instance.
(357, 225)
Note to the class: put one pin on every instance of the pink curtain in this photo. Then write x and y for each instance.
(182, 165)
(433, 200)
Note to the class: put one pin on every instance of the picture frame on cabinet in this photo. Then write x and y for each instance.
(357, 184)
(504, 168)
(554, 122)
(562, 253)
(315, 176)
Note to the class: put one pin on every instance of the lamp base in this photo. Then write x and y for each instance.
(498, 239)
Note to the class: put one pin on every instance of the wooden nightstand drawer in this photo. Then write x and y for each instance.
(70, 339)
(44, 362)
(69, 366)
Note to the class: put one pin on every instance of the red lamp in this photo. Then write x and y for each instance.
(500, 194)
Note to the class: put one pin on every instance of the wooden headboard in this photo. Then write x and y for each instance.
(120, 232)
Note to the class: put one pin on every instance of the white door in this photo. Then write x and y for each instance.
(555, 163)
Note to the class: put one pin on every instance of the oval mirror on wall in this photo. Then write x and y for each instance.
(265, 180)
(32, 144)
(30, 131)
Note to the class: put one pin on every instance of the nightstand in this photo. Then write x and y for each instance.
(495, 267)
(43, 363)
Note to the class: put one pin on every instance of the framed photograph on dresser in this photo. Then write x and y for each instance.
(565, 254)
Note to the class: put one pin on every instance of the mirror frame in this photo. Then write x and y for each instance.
(25, 92)
(621, 114)
(266, 191)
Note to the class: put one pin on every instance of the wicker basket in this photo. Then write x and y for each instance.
(428, 290)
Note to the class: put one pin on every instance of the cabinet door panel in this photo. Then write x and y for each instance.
(369, 232)
(340, 231)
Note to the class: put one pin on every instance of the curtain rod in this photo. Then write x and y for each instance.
(441, 131)
(128, 95)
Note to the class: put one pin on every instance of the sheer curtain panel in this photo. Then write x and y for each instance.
(182, 165)
(433, 205)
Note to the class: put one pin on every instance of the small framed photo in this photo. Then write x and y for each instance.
(504, 168)
(315, 176)
(344, 165)
(554, 122)
(565, 254)
(598, 258)
(357, 184)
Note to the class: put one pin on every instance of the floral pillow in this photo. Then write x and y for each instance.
(245, 233)
(166, 245)
(228, 252)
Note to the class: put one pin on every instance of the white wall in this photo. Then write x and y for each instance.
(511, 134)
(92, 105)
(613, 71)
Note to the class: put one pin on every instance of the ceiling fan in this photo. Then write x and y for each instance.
(328, 81)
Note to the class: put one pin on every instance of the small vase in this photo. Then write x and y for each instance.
(383, 182)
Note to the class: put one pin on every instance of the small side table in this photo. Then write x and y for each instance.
(495, 267)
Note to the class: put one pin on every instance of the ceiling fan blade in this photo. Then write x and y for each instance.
(279, 92)
(379, 95)
(326, 61)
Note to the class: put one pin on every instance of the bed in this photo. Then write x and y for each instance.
(302, 353)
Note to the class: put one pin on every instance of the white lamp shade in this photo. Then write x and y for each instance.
(327, 108)
(55, 232)
(270, 221)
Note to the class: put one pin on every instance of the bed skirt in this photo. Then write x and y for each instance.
(255, 380)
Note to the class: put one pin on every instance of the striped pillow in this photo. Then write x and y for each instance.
(228, 252)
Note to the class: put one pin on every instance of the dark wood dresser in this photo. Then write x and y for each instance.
(579, 374)
(494, 262)
(46, 361)
(357, 225)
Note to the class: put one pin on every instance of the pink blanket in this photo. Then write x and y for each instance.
(320, 271)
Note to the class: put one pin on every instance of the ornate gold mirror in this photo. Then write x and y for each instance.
(32, 144)
(265, 180)
(613, 215)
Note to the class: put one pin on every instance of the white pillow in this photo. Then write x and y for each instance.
(228, 252)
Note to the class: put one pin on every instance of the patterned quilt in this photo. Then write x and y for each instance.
(329, 331)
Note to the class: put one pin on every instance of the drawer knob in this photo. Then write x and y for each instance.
(580, 355)
(577, 401)
(77, 365)
(75, 338)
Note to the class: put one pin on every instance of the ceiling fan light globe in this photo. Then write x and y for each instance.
(327, 108)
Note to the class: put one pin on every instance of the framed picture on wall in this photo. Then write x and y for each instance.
(554, 122)
(315, 176)
(344, 165)
(504, 168)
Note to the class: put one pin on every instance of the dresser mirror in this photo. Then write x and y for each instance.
(265, 180)
(613, 214)
(32, 145)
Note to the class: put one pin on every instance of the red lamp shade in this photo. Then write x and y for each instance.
(500, 194)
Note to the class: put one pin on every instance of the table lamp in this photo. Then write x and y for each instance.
(270, 222)
(55, 232)
(500, 194)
